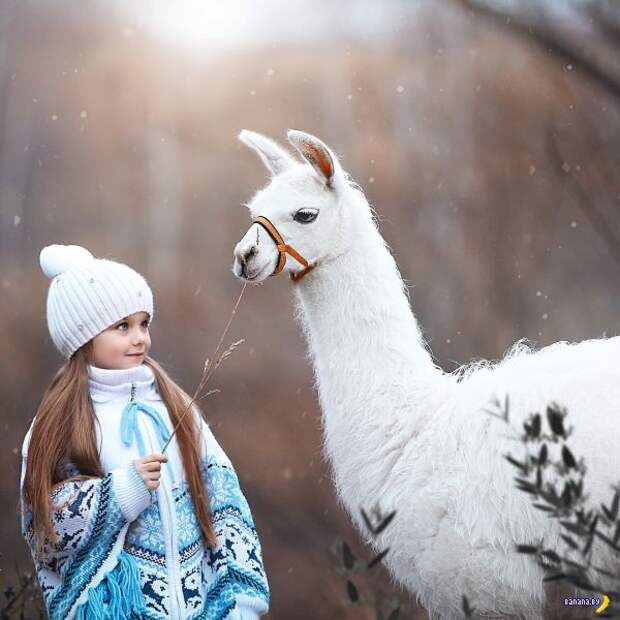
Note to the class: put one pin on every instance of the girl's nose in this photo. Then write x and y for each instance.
(138, 338)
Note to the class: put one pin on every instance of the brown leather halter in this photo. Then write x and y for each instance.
(284, 249)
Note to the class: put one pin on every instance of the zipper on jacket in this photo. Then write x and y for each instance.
(173, 586)
(176, 561)
(174, 574)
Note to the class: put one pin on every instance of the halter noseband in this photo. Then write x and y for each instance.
(283, 250)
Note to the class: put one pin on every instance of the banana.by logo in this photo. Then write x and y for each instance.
(600, 603)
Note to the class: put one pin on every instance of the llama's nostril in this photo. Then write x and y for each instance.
(251, 252)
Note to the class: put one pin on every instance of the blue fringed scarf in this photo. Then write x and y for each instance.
(117, 597)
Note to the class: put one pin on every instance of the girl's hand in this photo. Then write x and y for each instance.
(149, 468)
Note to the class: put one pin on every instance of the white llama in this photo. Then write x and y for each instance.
(397, 428)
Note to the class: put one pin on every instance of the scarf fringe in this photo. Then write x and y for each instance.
(118, 596)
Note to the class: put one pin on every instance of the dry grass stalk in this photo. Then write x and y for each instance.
(209, 368)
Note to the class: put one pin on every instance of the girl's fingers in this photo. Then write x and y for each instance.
(149, 468)
(156, 457)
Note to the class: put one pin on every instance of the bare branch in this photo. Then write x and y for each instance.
(535, 29)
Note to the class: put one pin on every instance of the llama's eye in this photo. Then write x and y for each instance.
(305, 216)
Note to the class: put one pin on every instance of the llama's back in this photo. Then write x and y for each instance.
(468, 444)
(583, 378)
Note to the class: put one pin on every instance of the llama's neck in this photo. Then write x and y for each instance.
(377, 383)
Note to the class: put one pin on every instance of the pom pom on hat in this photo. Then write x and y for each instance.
(88, 294)
(55, 259)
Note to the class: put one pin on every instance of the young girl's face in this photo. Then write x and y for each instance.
(124, 344)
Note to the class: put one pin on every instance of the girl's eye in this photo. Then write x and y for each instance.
(145, 323)
(305, 216)
(122, 326)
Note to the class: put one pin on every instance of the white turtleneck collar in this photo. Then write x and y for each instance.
(107, 384)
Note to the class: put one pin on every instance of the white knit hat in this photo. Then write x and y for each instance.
(87, 295)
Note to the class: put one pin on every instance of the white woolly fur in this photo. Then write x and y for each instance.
(399, 430)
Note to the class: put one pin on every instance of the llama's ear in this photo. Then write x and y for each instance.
(272, 155)
(317, 154)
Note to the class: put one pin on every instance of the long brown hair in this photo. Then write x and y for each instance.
(64, 431)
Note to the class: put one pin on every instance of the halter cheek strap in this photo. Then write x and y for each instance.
(283, 250)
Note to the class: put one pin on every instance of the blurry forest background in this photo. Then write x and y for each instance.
(486, 135)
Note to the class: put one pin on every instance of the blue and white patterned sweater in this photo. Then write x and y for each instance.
(125, 552)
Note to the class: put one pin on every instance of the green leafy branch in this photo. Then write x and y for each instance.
(385, 603)
(562, 496)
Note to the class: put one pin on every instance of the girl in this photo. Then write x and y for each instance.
(116, 528)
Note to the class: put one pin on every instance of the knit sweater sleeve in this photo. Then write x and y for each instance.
(234, 527)
(90, 519)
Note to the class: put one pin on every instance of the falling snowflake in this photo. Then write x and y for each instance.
(400, 89)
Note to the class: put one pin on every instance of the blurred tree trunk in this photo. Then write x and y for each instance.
(15, 136)
(164, 173)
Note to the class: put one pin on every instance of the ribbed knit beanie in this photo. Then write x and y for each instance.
(88, 294)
